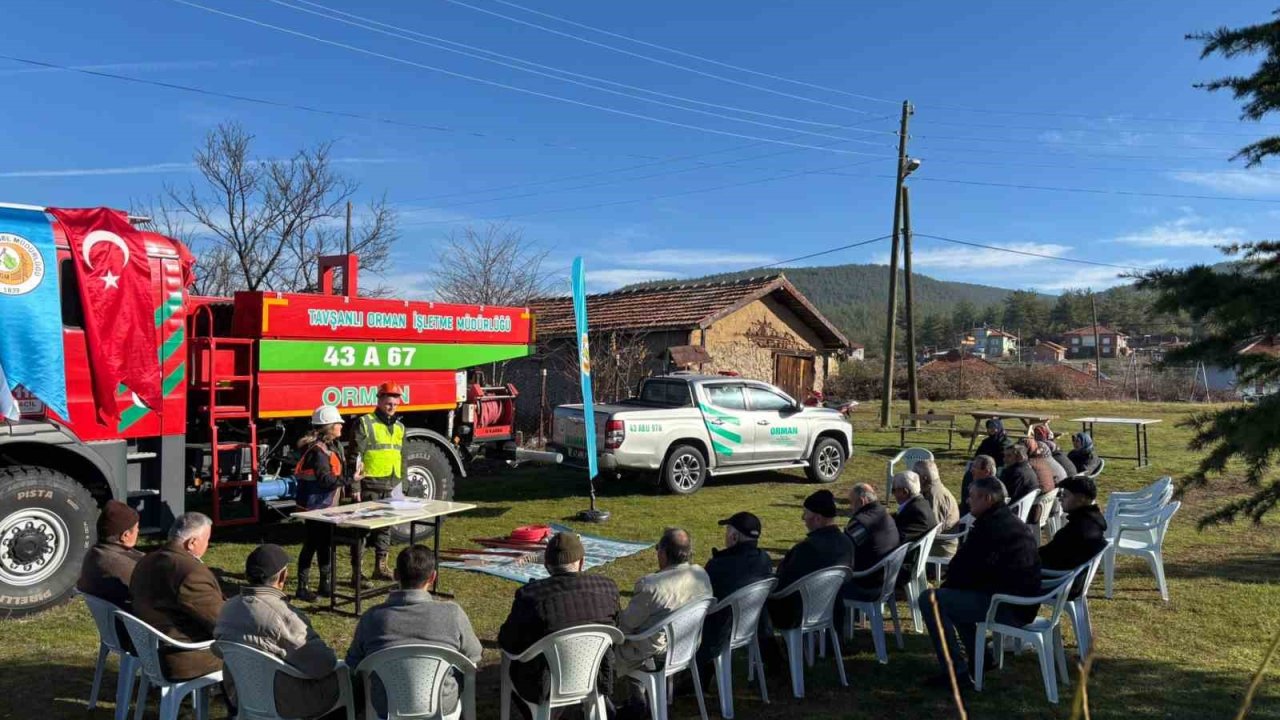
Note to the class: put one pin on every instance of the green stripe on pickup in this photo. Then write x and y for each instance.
(726, 434)
(720, 414)
(310, 355)
(721, 449)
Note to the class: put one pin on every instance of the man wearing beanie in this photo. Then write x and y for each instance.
(825, 546)
(108, 566)
(566, 598)
(262, 618)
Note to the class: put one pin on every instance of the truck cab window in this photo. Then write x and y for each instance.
(766, 401)
(69, 286)
(727, 397)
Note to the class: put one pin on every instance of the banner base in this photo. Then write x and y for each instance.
(594, 515)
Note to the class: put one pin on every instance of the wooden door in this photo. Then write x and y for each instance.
(794, 374)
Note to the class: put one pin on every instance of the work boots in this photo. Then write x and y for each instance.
(326, 583)
(304, 593)
(381, 571)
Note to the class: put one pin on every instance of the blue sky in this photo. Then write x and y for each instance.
(1088, 95)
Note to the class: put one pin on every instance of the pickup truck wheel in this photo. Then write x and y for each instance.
(826, 461)
(46, 526)
(429, 475)
(685, 470)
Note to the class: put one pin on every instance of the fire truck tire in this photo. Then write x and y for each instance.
(47, 524)
(428, 474)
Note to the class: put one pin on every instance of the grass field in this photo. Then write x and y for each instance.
(1189, 658)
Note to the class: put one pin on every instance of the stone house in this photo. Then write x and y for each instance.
(761, 328)
(1048, 353)
(1079, 342)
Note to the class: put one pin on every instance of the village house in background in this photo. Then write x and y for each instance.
(1079, 342)
(994, 344)
(761, 328)
(1224, 379)
(1048, 353)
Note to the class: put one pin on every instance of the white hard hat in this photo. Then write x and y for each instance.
(326, 415)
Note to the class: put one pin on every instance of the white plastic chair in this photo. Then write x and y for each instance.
(104, 616)
(412, 676)
(1102, 463)
(1046, 503)
(146, 642)
(1141, 536)
(890, 565)
(919, 551)
(1022, 506)
(683, 628)
(254, 674)
(819, 592)
(573, 658)
(1078, 607)
(746, 605)
(1140, 502)
(1043, 634)
(937, 563)
(909, 458)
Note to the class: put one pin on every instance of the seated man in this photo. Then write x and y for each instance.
(983, 466)
(565, 599)
(1018, 476)
(262, 618)
(676, 583)
(108, 565)
(999, 556)
(410, 615)
(740, 564)
(1085, 533)
(874, 535)
(915, 516)
(825, 546)
(174, 592)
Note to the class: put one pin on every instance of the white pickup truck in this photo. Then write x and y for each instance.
(688, 427)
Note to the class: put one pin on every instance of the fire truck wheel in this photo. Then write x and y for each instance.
(46, 526)
(428, 474)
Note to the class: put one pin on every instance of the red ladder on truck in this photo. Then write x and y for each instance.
(224, 369)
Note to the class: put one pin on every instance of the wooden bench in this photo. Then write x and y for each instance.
(926, 422)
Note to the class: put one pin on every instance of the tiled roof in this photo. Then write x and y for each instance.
(680, 307)
(1051, 345)
(1088, 330)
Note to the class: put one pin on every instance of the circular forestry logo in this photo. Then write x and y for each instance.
(21, 266)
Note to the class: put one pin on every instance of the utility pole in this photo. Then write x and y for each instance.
(886, 395)
(347, 242)
(912, 392)
(1097, 346)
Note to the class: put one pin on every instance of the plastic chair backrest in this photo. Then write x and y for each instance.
(1062, 594)
(1102, 463)
(1144, 501)
(573, 659)
(104, 616)
(1022, 507)
(1045, 502)
(683, 628)
(1091, 568)
(254, 674)
(1164, 517)
(818, 591)
(412, 676)
(746, 604)
(892, 565)
(908, 458)
(920, 565)
(146, 646)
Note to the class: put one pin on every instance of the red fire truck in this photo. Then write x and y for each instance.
(241, 377)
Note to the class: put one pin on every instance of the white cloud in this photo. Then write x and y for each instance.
(987, 259)
(1186, 231)
(1233, 181)
(614, 278)
(712, 260)
(1097, 278)
(170, 167)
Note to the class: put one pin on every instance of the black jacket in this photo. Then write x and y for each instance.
(1084, 536)
(874, 535)
(1019, 480)
(730, 570)
(1000, 555)
(992, 447)
(555, 603)
(1086, 461)
(823, 548)
(1065, 462)
(914, 519)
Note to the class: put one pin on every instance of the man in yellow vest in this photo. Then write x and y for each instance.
(376, 450)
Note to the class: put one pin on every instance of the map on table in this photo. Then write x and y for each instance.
(526, 566)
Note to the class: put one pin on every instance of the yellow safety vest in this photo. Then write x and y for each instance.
(382, 447)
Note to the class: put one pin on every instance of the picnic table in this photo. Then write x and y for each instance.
(360, 519)
(1140, 426)
(1028, 419)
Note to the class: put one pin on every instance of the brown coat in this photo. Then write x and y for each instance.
(106, 572)
(178, 595)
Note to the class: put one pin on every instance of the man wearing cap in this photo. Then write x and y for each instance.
(564, 599)
(740, 564)
(262, 618)
(1085, 533)
(376, 454)
(108, 566)
(825, 546)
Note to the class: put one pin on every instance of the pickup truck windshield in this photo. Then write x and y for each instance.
(666, 393)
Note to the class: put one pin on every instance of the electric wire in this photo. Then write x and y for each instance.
(1027, 253)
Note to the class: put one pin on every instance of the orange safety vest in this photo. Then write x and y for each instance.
(304, 474)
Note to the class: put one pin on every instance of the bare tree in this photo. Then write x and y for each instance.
(214, 267)
(619, 361)
(261, 224)
(493, 265)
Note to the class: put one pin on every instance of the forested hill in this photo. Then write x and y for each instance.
(853, 296)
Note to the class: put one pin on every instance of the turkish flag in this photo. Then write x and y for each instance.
(119, 310)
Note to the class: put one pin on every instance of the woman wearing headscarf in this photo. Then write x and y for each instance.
(1083, 455)
(993, 444)
(1048, 472)
(944, 505)
(1044, 436)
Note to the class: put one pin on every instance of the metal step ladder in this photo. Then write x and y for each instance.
(224, 371)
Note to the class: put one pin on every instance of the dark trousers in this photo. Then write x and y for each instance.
(316, 540)
(961, 611)
(378, 489)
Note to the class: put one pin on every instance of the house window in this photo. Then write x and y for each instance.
(1075, 340)
(1106, 339)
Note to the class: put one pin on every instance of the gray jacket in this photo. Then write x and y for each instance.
(262, 618)
(408, 617)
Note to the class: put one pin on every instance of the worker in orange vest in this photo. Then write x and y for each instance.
(319, 476)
